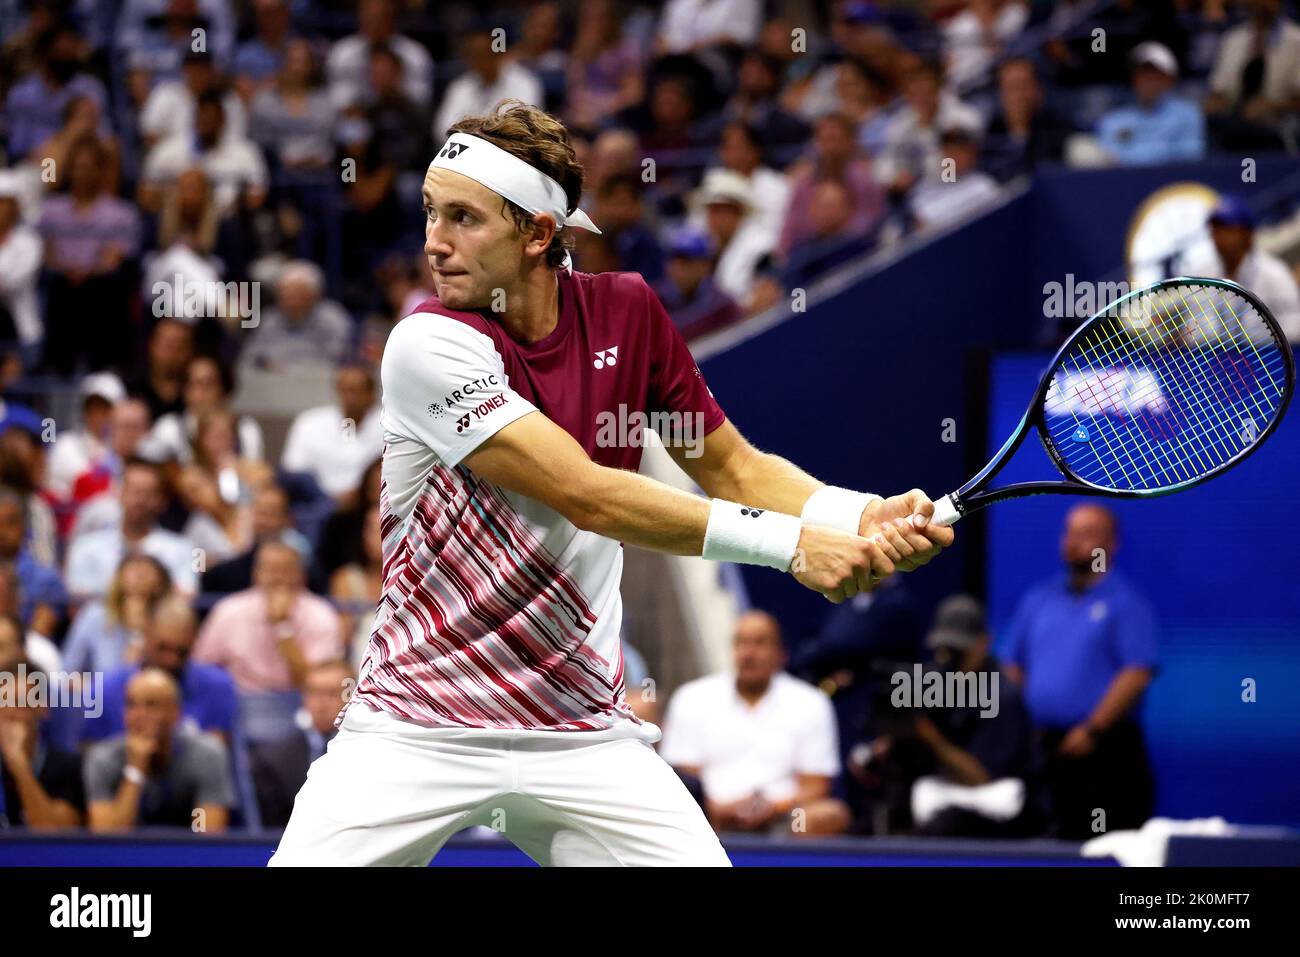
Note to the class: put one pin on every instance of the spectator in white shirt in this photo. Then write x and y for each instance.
(21, 252)
(169, 110)
(349, 59)
(1257, 73)
(741, 151)
(233, 164)
(957, 189)
(763, 744)
(489, 78)
(1236, 257)
(912, 140)
(974, 39)
(727, 202)
(208, 386)
(94, 556)
(85, 449)
(335, 444)
(690, 25)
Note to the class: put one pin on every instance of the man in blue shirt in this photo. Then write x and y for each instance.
(1160, 127)
(1083, 648)
(208, 700)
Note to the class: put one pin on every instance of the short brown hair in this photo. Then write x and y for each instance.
(541, 141)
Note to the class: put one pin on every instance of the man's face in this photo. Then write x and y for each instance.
(277, 566)
(832, 141)
(758, 652)
(142, 499)
(1232, 242)
(830, 210)
(167, 643)
(621, 207)
(12, 528)
(171, 347)
(270, 513)
(476, 50)
(322, 695)
(1089, 535)
(687, 272)
(923, 93)
(470, 240)
(736, 151)
(128, 425)
(356, 394)
(297, 297)
(724, 219)
(202, 386)
(1018, 88)
(151, 706)
(1150, 83)
(209, 121)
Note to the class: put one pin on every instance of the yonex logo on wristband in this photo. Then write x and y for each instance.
(751, 512)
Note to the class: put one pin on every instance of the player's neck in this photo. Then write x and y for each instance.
(532, 307)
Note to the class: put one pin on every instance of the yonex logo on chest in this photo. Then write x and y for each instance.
(606, 357)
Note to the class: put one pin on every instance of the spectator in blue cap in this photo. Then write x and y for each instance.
(688, 290)
(1236, 256)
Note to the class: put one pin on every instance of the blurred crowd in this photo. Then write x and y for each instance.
(221, 579)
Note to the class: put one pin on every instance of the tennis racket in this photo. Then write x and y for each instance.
(1161, 390)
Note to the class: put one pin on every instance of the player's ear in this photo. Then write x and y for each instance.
(539, 233)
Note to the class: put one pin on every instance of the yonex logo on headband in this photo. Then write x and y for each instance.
(452, 150)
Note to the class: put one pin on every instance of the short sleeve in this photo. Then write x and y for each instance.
(213, 783)
(1135, 634)
(445, 387)
(818, 746)
(676, 384)
(319, 636)
(101, 772)
(210, 648)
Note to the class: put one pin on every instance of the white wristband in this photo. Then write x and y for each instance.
(837, 507)
(134, 775)
(754, 536)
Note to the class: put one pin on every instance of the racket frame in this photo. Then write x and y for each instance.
(972, 496)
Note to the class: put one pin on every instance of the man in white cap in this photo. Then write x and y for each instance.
(85, 449)
(726, 200)
(492, 691)
(1160, 127)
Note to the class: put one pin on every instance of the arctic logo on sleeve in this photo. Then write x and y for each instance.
(466, 391)
(480, 411)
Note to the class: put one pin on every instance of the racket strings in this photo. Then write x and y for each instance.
(1165, 388)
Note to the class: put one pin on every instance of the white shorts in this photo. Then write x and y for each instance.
(390, 792)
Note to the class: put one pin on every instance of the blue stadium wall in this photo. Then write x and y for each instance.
(857, 390)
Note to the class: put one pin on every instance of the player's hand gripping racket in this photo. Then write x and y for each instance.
(1159, 391)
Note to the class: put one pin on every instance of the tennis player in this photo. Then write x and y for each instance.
(492, 690)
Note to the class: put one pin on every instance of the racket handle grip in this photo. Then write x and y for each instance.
(945, 511)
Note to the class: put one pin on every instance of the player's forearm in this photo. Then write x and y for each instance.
(765, 480)
(632, 508)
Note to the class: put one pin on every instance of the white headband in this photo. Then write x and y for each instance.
(524, 185)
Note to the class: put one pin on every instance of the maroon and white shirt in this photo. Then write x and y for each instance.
(497, 612)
